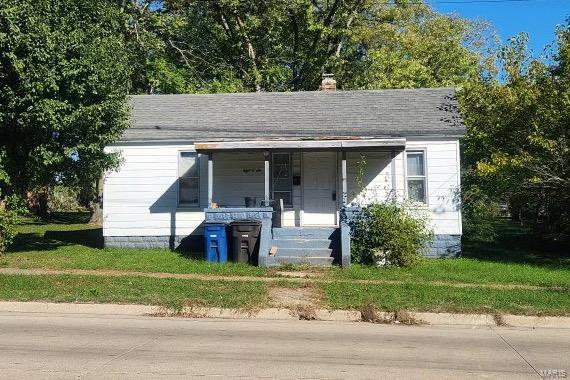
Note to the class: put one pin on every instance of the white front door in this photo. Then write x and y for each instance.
(319, 188)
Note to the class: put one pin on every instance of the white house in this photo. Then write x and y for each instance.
(320, 152)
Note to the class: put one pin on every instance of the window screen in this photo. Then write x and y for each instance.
(282, 182)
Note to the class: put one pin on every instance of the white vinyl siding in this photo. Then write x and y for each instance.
(369, 176)
(443, 182)
(141, 196)
(238, 175)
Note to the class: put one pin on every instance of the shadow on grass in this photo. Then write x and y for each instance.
(62, 229)
(517, 244)
(92, 238)
(57, 218)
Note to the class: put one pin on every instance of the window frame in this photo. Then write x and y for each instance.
(272, 166)
(179, 177)
(423, 177)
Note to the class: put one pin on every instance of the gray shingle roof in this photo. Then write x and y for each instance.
(295, 115)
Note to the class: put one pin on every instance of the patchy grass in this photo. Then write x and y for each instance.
(517, 257)
(67, 243)
(170, 293)
(435, 298)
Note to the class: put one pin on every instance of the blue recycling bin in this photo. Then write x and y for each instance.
(215, 243)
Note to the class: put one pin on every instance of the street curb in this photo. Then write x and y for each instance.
(280, 314)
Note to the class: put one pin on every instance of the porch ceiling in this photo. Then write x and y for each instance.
(397, 143)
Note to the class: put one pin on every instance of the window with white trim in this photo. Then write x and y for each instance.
(416, 180)
(189, 179)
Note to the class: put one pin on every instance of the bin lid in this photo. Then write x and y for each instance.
(245, 222)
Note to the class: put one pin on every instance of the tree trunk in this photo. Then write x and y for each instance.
(97, 204)
(250, 52)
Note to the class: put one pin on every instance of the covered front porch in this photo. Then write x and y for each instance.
(300, 190)
(314, 179)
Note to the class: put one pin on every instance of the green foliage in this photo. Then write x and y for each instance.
(388, 233)
(7, 229)
(479, 213)
(10, 208)
(517, 146)
(64, 199)
(63, 81)
(250, 45)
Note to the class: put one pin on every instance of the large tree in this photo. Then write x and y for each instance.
(517, 147)
(64, 74)
(272, 45)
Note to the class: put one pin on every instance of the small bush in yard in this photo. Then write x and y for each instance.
(387, 234)
(10, 208)
(7, 230)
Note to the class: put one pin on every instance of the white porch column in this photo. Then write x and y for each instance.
(344, 183)
(267, 173)
(393, 172)
(210, 178)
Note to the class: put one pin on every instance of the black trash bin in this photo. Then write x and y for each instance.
(245, 240)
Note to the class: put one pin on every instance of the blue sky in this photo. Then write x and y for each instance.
(536, 17)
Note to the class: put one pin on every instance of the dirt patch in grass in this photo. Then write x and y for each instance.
(292, 297)
(302, 299)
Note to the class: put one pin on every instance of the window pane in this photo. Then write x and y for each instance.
(285, 195)
(188, 165)
(189, 191)
(417, 190)
(415, 163)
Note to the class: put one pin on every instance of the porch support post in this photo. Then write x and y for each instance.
(344, 219)
(266, 172)
(344, 183)
(210, 178)
(393, 172)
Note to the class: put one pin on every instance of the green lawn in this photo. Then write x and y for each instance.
(517, 257)
(435, 298)
(465, 270)
(167, 292)
(67, 242)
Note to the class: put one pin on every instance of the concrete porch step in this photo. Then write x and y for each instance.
(299, 260)
(304, 252)
(302, 243)
(304, 232)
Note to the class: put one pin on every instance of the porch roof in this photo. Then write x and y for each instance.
(297, 116)
(397, 143)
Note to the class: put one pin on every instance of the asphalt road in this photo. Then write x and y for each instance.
(38, 345)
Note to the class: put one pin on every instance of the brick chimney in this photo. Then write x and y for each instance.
(328, 83)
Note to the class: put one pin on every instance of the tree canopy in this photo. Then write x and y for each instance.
(64, 77)
(517, 147)
(251, 45)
